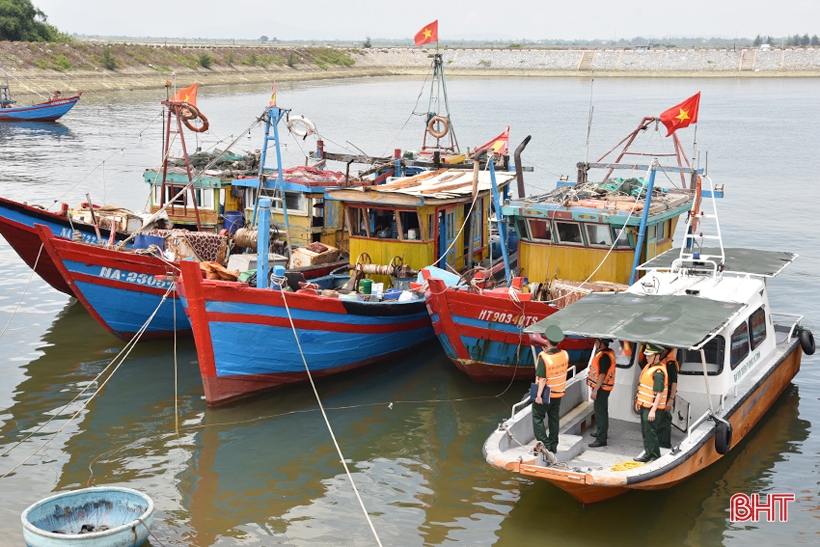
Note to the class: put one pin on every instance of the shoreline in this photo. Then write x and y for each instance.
(31, 83)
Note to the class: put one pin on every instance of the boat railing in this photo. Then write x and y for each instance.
(694, 425)
(795, 323)
(705, 265)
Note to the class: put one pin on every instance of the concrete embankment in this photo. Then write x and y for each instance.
(82, 66)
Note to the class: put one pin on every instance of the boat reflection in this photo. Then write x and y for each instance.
(33, 129)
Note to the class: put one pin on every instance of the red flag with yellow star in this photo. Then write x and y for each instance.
(428, 34)
(187, 95)
(682, 115)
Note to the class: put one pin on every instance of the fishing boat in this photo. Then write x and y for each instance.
(100, 516)
(582, 237)
(736, 356)
(252, 339)
(51, 110)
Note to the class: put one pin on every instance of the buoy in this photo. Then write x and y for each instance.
(445, 126)
(806, 341)
(723, 437)
(301, 126)
(189, 113)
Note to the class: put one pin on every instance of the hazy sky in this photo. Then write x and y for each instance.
(458, 19)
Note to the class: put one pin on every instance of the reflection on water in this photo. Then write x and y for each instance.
(264, 471)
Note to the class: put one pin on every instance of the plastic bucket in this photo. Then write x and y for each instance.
(142, 241)
(365, 285)
(233, 220)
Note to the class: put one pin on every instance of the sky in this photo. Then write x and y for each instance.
(458, 19)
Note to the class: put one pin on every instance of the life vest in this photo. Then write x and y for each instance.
(665, 362)
(556, 365)
(646, 387)
(594, 371)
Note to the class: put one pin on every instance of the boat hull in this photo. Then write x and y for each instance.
(122, 290)
(743, 416)
(246, 345)
(482, 334)
(43, 112)
(17, 222)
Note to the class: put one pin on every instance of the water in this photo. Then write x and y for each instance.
(264, 471)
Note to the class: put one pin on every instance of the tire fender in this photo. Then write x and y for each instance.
(807, 341)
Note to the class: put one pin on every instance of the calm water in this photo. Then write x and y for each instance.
(264, 472)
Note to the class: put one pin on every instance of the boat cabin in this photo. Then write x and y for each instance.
(420, 218)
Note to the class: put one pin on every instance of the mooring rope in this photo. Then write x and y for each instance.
(17, 307)
(122, 357)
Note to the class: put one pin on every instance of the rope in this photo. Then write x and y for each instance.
(150, 532)
(122, 357)
(280, 283)
(17, 307)
(627, 465)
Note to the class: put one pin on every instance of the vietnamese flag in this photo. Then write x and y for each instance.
(682, 115)
(187, 95)
(428, 34)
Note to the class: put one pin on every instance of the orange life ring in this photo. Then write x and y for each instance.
(188, 113)
(445, 126)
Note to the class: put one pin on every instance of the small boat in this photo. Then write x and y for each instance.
(580, 238)
(47, 111)
(100, 516)
(736, 356)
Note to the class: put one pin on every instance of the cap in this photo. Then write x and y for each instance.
(606, 341)
(554, 334)
(650, 349)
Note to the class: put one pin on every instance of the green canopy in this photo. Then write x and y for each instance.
(742, 261)
(679, 321)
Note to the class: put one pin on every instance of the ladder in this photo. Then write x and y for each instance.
(693, 254)
(272, 117)
(169, 189)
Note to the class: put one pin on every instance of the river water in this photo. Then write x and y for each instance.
(264, 471)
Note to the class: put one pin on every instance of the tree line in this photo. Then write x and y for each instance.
(21, 21)
(795, 40)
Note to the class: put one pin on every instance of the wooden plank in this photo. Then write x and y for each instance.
(412, 181)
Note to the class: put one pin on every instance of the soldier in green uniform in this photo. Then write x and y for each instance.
(651, 401)
(550, 371)
(665, 427)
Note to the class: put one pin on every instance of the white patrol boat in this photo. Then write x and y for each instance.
(736, 357)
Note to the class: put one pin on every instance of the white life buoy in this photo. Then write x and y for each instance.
(301, 126)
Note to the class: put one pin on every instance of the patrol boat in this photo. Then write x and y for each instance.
(736, 357)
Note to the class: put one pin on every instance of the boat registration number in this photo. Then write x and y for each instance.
(509, 318)
(133, 277)
(68, 233)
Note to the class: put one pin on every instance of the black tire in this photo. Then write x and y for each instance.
(723, 438)
(807, 341)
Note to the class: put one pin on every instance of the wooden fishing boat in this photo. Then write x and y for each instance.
(579, 238)
(51, 110)
(245, 335)
(736, 357)
(100, 516)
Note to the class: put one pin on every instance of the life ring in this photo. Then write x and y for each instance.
(807, 341)
(301, 126)
(723, 437)
(189, 113)
(445, 126)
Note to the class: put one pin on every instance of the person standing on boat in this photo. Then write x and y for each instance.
(601, 380)
(650, 399)
(550, 370)
(672, 369)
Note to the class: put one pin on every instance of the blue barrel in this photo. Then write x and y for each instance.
(512, 240)
(233, 221)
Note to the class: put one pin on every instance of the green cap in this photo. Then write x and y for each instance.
(606, 341)
(554, 334)
(649, 348)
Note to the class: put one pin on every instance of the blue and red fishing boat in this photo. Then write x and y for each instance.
(51, 110)
(582, 237)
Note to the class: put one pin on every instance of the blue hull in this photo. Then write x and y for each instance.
(43, 112)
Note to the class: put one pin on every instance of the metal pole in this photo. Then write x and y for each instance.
(502, 225)
(263, 243)
(642, 232)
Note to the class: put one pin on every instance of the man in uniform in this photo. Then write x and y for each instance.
(672, 369)
(550, 370)
(601, 380)
(651, 398)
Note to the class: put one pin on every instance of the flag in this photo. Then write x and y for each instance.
(499, 146)
(428, 34)
(272, 102)
(682, 115)
(187, 95)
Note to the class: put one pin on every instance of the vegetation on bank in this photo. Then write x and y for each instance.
(20, 20)
(90, 56)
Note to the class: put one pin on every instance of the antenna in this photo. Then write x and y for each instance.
(589, 123)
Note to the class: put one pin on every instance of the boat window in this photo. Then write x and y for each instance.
(652, 231)
(622, 236)
(431, 226)
(521, 228)
(740, 344)
(569, 233)
(624, 354)
(598, 235)
(358, 221)
(296, 202)
(477, 226)
(757, 324)
(690, 360)
(383, 224)
(410, 229)
(540, 229)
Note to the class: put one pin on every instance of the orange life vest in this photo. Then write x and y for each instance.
(556, 365)
(594, 371)
(646, 386)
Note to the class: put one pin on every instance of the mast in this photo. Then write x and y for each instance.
(170, 188)
(438, 120)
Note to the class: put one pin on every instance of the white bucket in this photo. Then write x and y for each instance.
(411, 233)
